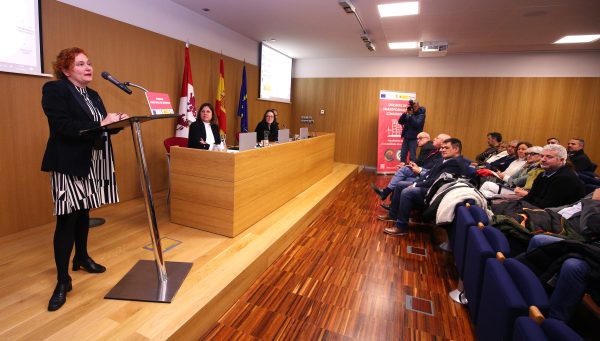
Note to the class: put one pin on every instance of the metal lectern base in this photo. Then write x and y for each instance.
(141, 283)
(95, 222)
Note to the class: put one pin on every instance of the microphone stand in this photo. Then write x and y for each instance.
(136, 86)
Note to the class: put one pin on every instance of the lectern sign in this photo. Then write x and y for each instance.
(392, 104)
(160, 104)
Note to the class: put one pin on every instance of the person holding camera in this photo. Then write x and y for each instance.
(412, 122)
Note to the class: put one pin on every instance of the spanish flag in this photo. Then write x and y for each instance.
(220, 105)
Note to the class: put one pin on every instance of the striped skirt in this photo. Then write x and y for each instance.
(73, 193)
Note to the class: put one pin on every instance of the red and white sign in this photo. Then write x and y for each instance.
(159, 103)
(392, 104)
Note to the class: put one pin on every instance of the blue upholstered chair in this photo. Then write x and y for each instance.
(527, 329)
(482, 243)
(509, 288)
(466, 215)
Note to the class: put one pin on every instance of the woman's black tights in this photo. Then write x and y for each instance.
(70, 228)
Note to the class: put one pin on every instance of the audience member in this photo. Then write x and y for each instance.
(414, 195)
(520, 183)
(500, 164)
(412, 122)
(558, 185)
(430, 151)
(577, 156)
(552, 140)
(493, 140)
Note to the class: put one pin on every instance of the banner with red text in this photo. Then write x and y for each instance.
(392, 104)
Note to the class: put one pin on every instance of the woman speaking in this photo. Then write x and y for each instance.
(81, 167)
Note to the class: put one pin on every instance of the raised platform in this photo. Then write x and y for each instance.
(223, 269)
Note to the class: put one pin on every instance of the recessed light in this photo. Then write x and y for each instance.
(398, 9)
(578, 39)
(403, 45)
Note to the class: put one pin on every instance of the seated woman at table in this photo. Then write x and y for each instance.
(268, 125)
(205, 131)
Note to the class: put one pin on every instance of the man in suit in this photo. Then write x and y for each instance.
(410, 172)
(411, 197)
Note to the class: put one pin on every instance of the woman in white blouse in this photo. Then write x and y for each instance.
(205, 131)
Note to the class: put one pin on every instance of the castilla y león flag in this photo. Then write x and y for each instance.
(187, 101)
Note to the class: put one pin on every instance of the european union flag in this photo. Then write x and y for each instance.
(242, 110)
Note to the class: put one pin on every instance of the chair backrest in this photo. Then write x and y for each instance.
(175, 141)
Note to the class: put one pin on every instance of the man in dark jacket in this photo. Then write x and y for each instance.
(412, 122)
(430, 152)
(558, 185)
(493, 140)
(578, 157)
(413, 196)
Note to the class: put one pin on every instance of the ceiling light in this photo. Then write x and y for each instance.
(398, 9)
(578, 39)
(403, 45)
(347, 6)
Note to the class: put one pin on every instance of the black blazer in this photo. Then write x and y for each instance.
(67, 112)
(273, 130)
(456, 166)
(198, 132)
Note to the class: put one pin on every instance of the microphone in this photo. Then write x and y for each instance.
(113, 80)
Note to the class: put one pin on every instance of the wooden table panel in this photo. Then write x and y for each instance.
(226, 193)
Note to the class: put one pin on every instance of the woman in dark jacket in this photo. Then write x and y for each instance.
(205, 131)
(81, 167)
(267, 125)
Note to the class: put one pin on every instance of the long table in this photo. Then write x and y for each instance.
(225, 193)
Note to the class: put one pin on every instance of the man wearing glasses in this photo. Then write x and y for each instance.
(414, 196)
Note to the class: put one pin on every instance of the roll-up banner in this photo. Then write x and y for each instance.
(392, 104)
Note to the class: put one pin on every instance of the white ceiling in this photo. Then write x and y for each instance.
(321, 29)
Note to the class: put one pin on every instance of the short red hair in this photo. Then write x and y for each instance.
(65, 60)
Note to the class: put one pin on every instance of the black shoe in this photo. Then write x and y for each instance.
(377, 190)
(88, 264)
(384, 206)
(59, 296)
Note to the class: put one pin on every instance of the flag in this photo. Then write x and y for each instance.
(220, 106)
(187, 101)
(242, 111)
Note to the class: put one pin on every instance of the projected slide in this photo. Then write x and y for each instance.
(20, 39)
(275, 75)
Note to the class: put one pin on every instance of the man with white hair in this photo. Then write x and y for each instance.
(558, 185)
(430, 152)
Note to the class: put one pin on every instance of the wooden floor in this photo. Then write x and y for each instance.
(223, 269)
(344, 279)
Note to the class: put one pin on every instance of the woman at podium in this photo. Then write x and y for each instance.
(81, 168)
(267, 127)
(204, 132)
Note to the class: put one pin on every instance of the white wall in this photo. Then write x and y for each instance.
(575, 64)
(172, 20)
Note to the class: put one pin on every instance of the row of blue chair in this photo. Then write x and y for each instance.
(498, 290)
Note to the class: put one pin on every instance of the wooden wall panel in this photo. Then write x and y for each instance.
(466, 107)
(129, 53)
